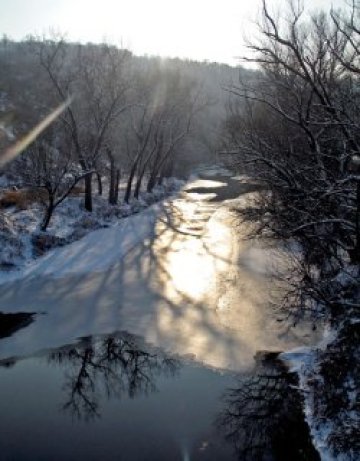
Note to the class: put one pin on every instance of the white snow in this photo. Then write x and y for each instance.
(70, 223)
(87, 255)
(303, 362)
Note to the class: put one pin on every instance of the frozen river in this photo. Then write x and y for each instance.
(197, 295)
(181, 275)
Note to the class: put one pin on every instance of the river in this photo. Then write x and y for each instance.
(149, 358)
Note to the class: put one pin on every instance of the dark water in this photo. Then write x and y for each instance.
(116, 398)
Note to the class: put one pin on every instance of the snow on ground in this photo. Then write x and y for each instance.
(302, 361)
(333, 436)
(86, 255)
(22, 241)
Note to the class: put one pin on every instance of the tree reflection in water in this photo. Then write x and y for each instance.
(263, 417)
(113, 366)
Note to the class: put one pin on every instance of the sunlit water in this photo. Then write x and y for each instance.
(196, 288)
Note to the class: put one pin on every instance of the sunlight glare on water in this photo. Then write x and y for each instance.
(193, 255)
(215, 285)
(197, 286)
(191, 273)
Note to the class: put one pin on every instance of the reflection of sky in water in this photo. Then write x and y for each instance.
(164, 418)
(114, 397)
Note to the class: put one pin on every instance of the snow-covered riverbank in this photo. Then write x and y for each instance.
(328, 376)
(22, 242)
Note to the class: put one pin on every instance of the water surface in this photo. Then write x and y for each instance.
(195, 288)
(113, 397)
(110, 397)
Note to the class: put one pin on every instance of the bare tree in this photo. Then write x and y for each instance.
(299, 131)
(53, 172)
(95, 77)
(114, 178)
(161, 122)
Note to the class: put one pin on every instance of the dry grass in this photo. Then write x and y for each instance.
(77, 190)
(22, 198)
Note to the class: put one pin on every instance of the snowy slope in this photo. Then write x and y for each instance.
(87, 255)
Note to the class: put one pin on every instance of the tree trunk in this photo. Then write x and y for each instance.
(129, 183)
(99, 182)
(160, 179)
(168, 170)
(117, 182)
(114, 180)
(88, 192)
(138, 184)
(112, 177)
(112, 183)
(151, 183)
(48, 214)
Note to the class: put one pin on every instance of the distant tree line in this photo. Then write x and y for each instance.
(130, 118)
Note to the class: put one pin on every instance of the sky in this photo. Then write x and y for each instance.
(210, 30)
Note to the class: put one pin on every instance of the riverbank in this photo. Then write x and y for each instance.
(328, 379)
(23, 242)
(182, 275)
